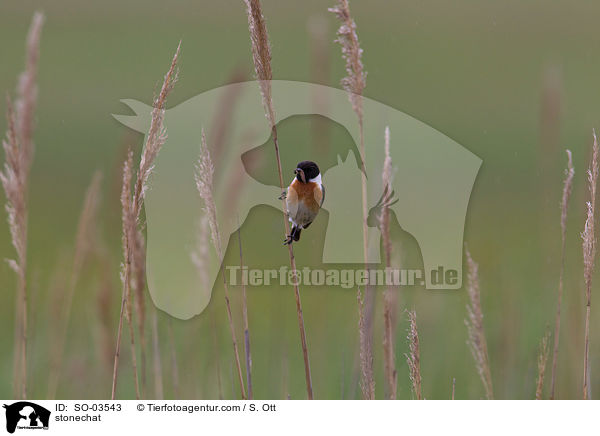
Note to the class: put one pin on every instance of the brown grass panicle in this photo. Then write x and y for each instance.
(156, 139)
(132, 272)
(367, 381)
(354, 83)
(413, 358)
(564, 204)
(204, 184)
(356, 80)
(261, 55)
(474, 322)
(589, 254)
(18, 149)
(541, 364)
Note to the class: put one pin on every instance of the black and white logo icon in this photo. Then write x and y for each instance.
(26, 415)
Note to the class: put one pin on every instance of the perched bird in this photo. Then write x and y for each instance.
(304, 198)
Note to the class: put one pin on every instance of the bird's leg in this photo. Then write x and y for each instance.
(291, 237)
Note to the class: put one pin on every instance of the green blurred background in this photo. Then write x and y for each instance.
(514, 82)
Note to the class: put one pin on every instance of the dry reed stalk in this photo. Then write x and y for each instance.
(213, 325)
(139, 287)
(589, 254)
(388, 297)
(414, 357)
(221, 124)
(158, 378)
(201, 259)
(476, 341)
(18, 149)
(367, 381)
(453, 387)
(246, 327)
(320, 61)
(541, 363)
(566, 195)
(125, 275)
(320, 69)
(133, 273)
(156, 139)
(354, 84)
(204, 184)
(104, 306)
(174, 366)
(261, 55)
(85, 244)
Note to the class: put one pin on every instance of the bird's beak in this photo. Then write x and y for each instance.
(296, 170)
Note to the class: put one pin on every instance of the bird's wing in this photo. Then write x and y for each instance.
(319, 194)
(292, 202)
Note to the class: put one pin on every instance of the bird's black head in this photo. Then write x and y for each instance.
(306, 170)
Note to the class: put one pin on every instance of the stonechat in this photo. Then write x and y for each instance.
(304, 198)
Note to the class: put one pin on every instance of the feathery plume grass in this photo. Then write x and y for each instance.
(204, 184)
(261, 54)
(414, 357)
(589, 255)
(367, 381)
(18, 150)
(356, 80)
(564, 204)
(133, 272)
(354, 83)
(541, 363)
(85, 243)
(476, 334)
(388, 296)
(156, 139)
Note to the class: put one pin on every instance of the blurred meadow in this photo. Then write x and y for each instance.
(514, 82)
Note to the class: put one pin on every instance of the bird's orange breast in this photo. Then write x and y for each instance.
(306, 193)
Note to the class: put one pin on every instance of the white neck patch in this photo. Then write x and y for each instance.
(316, 180)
